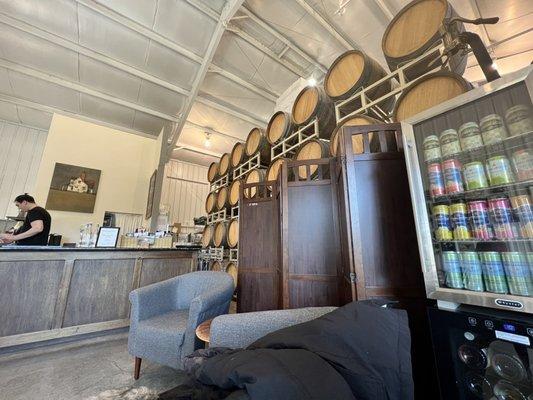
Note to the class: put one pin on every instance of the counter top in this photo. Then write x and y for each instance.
(91, 249)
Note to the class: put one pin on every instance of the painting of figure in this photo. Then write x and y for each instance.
(73, 188)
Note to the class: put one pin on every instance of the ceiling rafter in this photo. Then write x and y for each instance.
(55, 110)
(341, 37)
(266, 50)
(278, 35)
(198, 150)
(82, 89)
(201, 6)
(385, 8)
(229, 10)
(213, 131)
(241, 114)
(267, 94)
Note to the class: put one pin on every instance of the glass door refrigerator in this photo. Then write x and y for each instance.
(470, 168)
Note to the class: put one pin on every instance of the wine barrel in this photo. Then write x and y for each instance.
(233, 233)
(313, 102)
(212, 172)
(254, 176)
(210, 202)
(279, 127)
(275, 169)
(311, 150)
(220, 235)
(216, 266)
(223, 164)
(428, 91)
(357, 141)
(207, 236)
(231, 269)
(256, 142)
(234, 192)
(223, 199)
(413, 31)
(238, 156)
(350, 72)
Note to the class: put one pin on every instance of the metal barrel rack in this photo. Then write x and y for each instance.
(288, 146)
(250, 164)
(219, 183)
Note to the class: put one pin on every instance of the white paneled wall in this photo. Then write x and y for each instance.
(185, 188)
(21, 149)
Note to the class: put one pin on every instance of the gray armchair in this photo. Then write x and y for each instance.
(241, 330)
(164, 316)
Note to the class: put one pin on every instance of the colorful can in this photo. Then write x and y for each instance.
(443, 226)
(479, 220)
(431, 148)
(519, 119)
(453, 181)
(459, 217)
(502, 218)
(436, 180)
(449, 143)
(499, 170)
(493, 272)
(472, 271)
(451, 266)
(524, 211)
(475, 178)
(492, 129)
(523, 164)
(517, 271)
(470, 136)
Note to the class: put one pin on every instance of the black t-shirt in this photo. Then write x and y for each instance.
(41, 239)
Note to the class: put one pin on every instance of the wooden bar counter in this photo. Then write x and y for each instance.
(49, 293)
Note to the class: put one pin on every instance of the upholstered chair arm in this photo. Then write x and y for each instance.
(155, 299)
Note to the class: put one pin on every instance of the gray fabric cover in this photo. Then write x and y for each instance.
(240, 330)
(164, 316)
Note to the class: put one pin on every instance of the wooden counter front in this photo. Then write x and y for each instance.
(48, 294)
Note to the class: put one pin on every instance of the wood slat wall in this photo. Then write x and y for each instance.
(185, 188)
(21, 149)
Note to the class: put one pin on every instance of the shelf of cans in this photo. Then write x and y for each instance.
(480, 186)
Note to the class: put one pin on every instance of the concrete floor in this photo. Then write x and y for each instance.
(80, 370)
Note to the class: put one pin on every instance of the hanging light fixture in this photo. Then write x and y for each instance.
(311, 82)
(207, 142)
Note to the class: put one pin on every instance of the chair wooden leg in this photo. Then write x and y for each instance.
(137, 370)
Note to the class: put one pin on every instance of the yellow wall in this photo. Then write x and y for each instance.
(127, 162)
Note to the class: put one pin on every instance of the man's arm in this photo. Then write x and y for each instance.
(37, 226)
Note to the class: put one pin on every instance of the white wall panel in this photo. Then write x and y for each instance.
(185, 188)
(21, 149)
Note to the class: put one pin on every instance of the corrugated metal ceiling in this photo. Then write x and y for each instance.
(133, 64)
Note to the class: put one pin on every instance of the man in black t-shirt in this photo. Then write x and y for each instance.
(36, 227)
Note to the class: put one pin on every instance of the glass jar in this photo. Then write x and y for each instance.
(492, 129)
(470, 136)
(449, 142)
(431, 148)
(519, 119)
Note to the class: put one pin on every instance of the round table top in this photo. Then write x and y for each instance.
(203, 330)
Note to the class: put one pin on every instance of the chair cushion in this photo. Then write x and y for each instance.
(159, 338)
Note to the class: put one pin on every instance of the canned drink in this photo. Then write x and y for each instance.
(449, 143)
(502, 218)
(431, 147)
(436, 180)
(499, 171)
(493, 272)
(453, 181)
(451, 267)
(518, 275)
(475, 178)
(479, 220)
(472, 271)
(470, 136)
(519, 119)
(492, 129)
(459, 217)
(523, 164)
(524, 211)
(443, 230)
